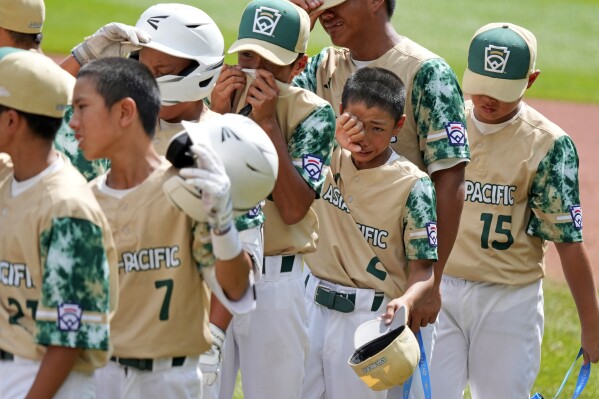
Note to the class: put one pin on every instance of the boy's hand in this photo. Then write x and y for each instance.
(108, 41)
(211, 180)
(308, 6)
(349, 131)
(230, 82)
(590, 344)
(426, 311)
(262, 96)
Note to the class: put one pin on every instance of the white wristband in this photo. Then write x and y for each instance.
(226, 246)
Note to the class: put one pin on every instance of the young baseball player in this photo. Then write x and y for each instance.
(58, 284)
(162, 326)
(21, 24)
(521, 191)
(433, 135)
(183, 47)
(270, 344)
(356, 272)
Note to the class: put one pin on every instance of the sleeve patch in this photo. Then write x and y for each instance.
(313, 165)
(576, 212)
(431, 232)
(456, 133)
(69, 316)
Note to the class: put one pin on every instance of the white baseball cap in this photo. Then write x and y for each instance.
(386, 355)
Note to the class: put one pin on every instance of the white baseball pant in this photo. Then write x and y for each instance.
(490, 336)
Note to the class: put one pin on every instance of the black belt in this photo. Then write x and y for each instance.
(344, 303)
(286, 263)
(145, 364)
(6, 355)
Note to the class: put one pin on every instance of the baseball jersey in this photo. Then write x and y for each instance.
(164, 301)
(57, 267)
(434, 129)
(166, 130)
(66, 143)
(521, 190)
(308, 126)
(372, 222)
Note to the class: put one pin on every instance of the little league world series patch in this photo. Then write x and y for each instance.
(576, 213)
(69, 316)
(431, 232)
(312, 164)
(456, 133)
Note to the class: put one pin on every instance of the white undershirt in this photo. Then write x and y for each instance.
(19, 187)
(103, 187)
(487, 128)
(360, 64)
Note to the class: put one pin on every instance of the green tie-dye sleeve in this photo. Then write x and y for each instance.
(66, 143)
(438, 106)
(311, 145)
(420, 221)
(554, 195)
(307, 79)
(75, 287)
(253, 218)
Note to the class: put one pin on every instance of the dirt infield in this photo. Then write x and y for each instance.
(579, 121)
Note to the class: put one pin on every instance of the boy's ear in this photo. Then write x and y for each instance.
(340, 108)
(399, 124)
(127, 109)
(532, 78)
(299, 67)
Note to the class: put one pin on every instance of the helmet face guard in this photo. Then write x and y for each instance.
(186, 32)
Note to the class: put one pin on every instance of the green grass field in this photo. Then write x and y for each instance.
(567, 32)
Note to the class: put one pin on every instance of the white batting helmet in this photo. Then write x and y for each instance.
(186, 32)
(248, 154)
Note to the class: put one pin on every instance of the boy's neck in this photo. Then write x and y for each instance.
(33, 160)
(132, 166)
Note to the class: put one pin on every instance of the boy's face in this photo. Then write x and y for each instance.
(92, 121)
(161, 64)
(344, 23)
(379, 128)
(492, 111)
(251, 60)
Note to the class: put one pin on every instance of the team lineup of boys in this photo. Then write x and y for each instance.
(108, 290)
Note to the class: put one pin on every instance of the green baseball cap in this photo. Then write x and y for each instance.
(278, 30)
(24, 16)
(501, 57)
(33, 83)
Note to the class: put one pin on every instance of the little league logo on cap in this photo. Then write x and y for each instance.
(501, 57)
(496, 58)
(266, 20)
(277, 30)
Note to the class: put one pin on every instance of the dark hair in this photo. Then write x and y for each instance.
(43, 126)
(375, 87)
(25, 41)
(119, 78)
(390, 8)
